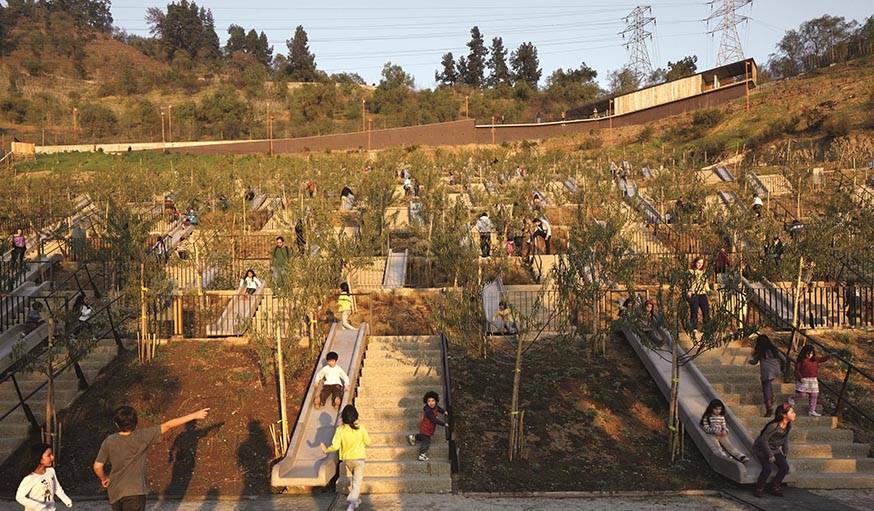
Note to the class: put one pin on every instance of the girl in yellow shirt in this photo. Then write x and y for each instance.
(350, 439)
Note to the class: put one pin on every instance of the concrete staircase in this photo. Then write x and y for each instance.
(14, 428)
(820, 454)
(397, 372)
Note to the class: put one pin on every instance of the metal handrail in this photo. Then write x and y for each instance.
(842, 400)
(447, 395)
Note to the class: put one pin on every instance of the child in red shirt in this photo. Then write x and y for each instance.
(807, 376)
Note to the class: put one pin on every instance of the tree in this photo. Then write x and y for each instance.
(623, 81)
(449, 75)
(224, 113)
(97, 120)
(393, 93)
(566, 89)
(301, 63)
(526, 65)
(86, 14)
(184, 27)
(817, 42)
(682, 68)
(498, 71)
(475, 65)
(250, 43)
(236, 40)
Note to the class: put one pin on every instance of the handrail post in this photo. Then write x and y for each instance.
(839, 406)
(31, 418)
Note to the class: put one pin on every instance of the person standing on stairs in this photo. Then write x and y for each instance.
(344, 306)
(335, 380)
(771, 365)
(485, 227)
(279, 257)
(19, 247)
(772, 447)
(699, 287)
(351, 439)
(432, 416)
(37, 490)
(713, 423)
(807, 376)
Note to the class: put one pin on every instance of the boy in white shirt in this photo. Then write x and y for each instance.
(38, 489)
(335, 380)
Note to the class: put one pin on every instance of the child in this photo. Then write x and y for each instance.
(713, 423)
(351, 440)
(344, 306)
(335, 380)
(505, 314)
(249, 283)
(807, 376)
(772, 447)
(771, 363)
(432, 416)
(38, 489)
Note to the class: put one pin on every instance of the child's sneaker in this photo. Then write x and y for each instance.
(814, 414)
(424, 457)
(411, 439)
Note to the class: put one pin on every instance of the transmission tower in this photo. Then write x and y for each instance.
(635, 36)
(725, 11)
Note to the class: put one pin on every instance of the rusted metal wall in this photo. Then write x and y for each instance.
(465, 132)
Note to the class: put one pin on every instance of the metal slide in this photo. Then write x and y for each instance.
(237, 314)
(304, 464)
(695, 393)
(395, 275)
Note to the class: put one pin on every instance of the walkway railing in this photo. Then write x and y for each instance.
(454, 462)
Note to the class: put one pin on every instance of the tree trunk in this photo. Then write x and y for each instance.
(514, 403)
(49, 428)
(283, 410)
(796, 294)
(674, 419)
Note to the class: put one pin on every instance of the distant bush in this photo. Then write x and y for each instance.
(645, 134)
(590, 143)
(707, 118)
(97, 120)
(14, 108)
(837, 125)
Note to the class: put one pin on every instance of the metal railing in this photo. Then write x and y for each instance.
(839, 391)
(454, 462)
(820, 306)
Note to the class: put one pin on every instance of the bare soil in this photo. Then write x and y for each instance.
(228, 454)
(590, 423)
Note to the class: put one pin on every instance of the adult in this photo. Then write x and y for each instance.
(852, 303)
(279, 257)
(772, 448)
(485, 227)
(19, 247)
(125, 453)
(542, 229)
(722, 266)
(299, 237)
(77, 242)
(351, 439)
(697, 294)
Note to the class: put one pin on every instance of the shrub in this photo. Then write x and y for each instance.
(707, 118)
(590, 143)
(14, 108)
(837, 125)
(97, 120)
(645, 134)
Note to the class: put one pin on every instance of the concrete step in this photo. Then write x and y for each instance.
(405, 468)
(405, 484)
(422, 351)
(730, 360)
(734, 400)
(401, 372)
(413, 387)
(832, 481)
(402, 361)
(829, 450)
(406, 425)
(821, 435)
(406, 453)
(400, 382)
(732, 377)
(375, 402)
(399, 438)
(15, 426)
(752, 388)
(743, 411)
(755, 424)
(388, 413)
(831, 465)
(404, 338)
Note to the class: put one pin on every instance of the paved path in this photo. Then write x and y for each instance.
(431, 502)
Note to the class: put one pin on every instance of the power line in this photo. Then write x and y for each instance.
(730, 49)
(636, 35)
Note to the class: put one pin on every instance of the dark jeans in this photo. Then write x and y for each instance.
(768, 392)
(17, 256)
(782, 469)
(330, 391)
(695, 303)
(424, 443)
(485, 244)
(130, 503)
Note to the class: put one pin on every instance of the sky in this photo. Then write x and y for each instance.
(361, 37)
